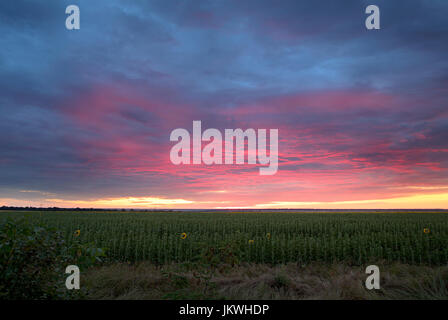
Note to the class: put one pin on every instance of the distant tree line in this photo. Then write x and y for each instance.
(72, 209)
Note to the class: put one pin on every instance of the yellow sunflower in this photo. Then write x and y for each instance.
(426, 230)
(183, 235)
(77, 233)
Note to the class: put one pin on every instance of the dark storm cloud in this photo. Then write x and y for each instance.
(89, 112)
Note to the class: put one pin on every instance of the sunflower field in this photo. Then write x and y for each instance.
(259, 237)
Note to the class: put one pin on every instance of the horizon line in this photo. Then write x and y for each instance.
(214, 209)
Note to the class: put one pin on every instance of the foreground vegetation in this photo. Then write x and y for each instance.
(261, 281)
(229, 255)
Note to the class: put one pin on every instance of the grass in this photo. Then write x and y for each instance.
(259, 281)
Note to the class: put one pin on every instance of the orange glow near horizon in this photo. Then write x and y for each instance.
(415, 201)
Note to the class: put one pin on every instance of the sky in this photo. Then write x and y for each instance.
(86, 115)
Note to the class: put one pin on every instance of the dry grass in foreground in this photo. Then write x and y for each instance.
(258, 281)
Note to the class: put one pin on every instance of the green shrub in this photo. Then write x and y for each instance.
(33, 259)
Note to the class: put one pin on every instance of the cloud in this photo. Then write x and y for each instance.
(87, 115)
